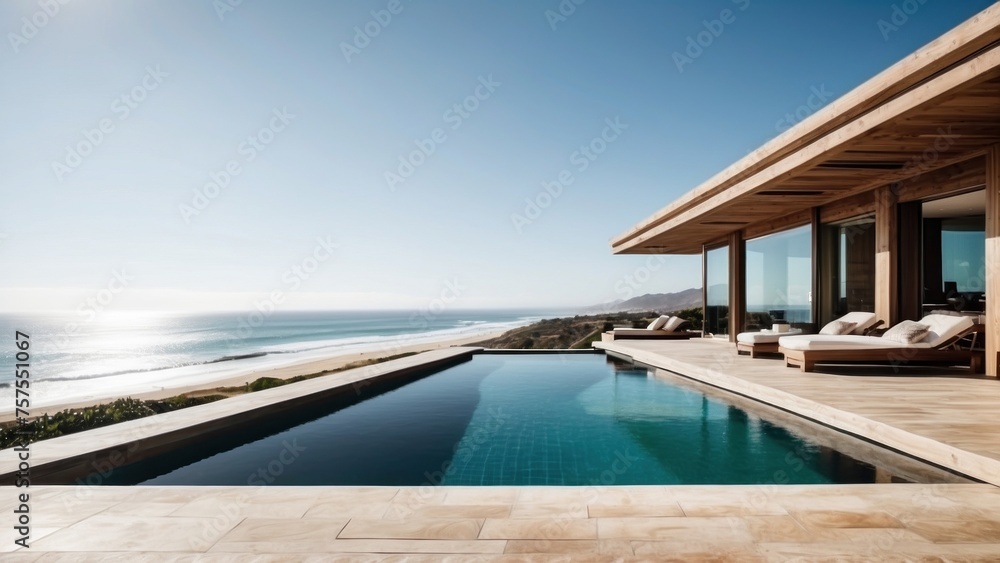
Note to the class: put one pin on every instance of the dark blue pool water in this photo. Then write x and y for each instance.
(533, 419)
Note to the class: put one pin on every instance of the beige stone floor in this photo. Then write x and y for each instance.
(902, 522)
(933, 413)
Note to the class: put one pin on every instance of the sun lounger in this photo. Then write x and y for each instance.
(937, 346)
(766, 342)
(664, 328)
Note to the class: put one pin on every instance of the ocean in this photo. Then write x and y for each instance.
(76, 358)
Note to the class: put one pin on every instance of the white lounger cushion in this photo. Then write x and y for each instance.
(758, 337)
(673, 324)
(863, 320)
(841, 342)
(944, 327)
(634, 331)
(658, 323)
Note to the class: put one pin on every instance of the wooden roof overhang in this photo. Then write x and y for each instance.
(937, 107)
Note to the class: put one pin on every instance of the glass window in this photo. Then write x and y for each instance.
(849, 258)
(779, 278)
(717, 291)
(963, 252)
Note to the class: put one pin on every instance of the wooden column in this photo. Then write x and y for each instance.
(886, 255)
(704, 289)
(992, 259)
(737, 284)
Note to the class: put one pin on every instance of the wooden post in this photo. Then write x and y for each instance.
(992, 259)
(704, 289)
(737, 284)
(886, 255)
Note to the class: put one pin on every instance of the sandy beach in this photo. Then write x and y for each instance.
(285, 372)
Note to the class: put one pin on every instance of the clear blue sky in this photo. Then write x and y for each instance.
(180, 86)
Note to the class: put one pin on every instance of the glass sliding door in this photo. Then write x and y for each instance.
(717, 291)
(779, 279)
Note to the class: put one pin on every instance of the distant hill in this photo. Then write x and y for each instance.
(660, 302)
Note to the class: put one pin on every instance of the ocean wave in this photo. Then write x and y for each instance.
(388, 344)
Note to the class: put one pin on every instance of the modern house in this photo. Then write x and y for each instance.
(886, 200)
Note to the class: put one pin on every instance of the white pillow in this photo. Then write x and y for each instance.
(674, 323)
(659, 322)
(907, 332)
(838, 327)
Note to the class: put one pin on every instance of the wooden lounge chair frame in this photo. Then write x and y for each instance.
(755, 349)
(946, 353)
(644, 334)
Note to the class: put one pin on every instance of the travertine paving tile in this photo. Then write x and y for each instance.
(723, 529)
(339, 509)
(862, 552)
(634, 511)
(288, 530)
(532, 510)
(951, 531)
(481, 495)
(236, 507)
(386, 546)
(421, 528)
(52, 513)
(137, 533)
(846, 519)
(482, 511)
(145, 508)
(697, 551)
(539, 529)
(778, 528)
(571, 547)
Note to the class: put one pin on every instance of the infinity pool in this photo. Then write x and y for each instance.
(527, 419)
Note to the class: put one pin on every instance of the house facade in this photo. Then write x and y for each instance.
(885, 200)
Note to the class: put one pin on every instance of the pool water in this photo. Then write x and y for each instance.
(504, 419)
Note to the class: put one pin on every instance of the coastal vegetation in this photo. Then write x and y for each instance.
(74, 420)
(578, 332)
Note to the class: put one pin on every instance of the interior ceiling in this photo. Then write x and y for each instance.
(959, 126)
(964, 205)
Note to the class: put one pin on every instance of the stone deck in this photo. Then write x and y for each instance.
(936, 414)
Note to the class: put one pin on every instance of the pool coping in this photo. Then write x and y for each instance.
(89, 456)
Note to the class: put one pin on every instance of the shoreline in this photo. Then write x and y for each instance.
(284, 372)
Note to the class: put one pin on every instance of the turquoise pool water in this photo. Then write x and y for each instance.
(527, 419)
